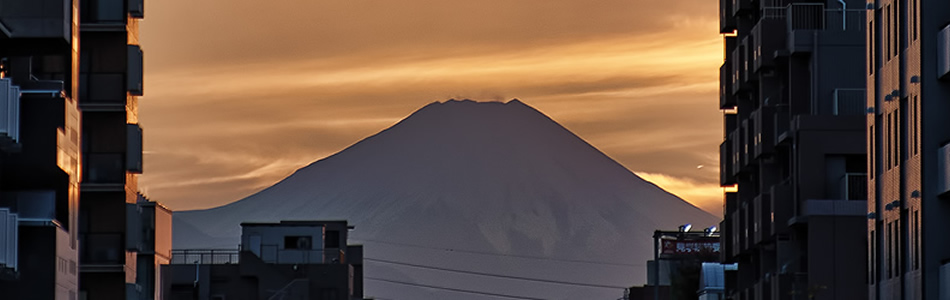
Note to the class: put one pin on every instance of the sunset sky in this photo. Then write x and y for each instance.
(239, 94)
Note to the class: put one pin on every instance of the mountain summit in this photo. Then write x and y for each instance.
(496, 188)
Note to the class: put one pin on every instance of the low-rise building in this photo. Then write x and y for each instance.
(286, 260)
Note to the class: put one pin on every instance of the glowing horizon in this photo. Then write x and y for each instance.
(638, 85)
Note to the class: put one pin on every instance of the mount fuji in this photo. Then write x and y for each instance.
(471, 200)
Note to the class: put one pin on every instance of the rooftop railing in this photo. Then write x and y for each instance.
(205, 256)
(814, 16)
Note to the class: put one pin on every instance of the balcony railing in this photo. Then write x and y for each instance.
(9, 110)
(814, 16)
(205, 256)
(9, 239)
(849, 102)
(854, 186)
(101, 248)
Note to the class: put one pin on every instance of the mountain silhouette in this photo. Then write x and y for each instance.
(498, 190)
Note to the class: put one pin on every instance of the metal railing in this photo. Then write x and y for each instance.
(205, 256)
(849, 102)
(854, 186)
(814, 16)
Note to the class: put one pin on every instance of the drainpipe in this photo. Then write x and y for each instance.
(844, 15)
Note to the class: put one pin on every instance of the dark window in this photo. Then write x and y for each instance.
(916, 240)
(298, 242)
(890, 250)
(332, 239)
(914, 135)
(871, 43)
(872, 261)
(887, 148)
(887, 32)
(914, 18)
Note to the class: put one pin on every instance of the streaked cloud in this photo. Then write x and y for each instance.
(241, 94)
(707, 196)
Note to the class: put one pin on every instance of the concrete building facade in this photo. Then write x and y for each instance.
(68, 130)
(908, 87)
(793, 155)
(286, 260)
(110, 81)
(39, 149)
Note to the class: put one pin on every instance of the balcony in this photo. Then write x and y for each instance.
(781, 125)
(842, 26)
(133, 155)
(736, 151)
(726, 99)
(745, 143)
(748, 76)
(9, 239)
(767, 38)
(103, 89)
(106, 14)
(727, 23)
(38, 19)
(735, 226)
(943, 53)
(9, 114)
(205, 257)
(739, 65)
(104, 168)
(849, 102)
(763, 133)
(817, 207)
(854, 186)
(781, 205)
(740, 7)
(762, 218)
(943, 171)
(136, 69)
(726, 175)
(137, 8)
(101, 249)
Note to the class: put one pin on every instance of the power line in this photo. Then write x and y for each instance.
(500, 254)
(493, 275)
(452, 289)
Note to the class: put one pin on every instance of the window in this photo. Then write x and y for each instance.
(332, 239)
(872, 150)
(917, 249)
(887, 32)
(914, 134)
(887, 139)
(872, 60)
(890, 250)
(913, 18)
(298, 242)
(902, 132)
(895, 32)
(872, 259)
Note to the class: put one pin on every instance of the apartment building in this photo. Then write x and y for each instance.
(285, 260)
(793, 151)
(110, 81)
(39, 150)
(68, 130)
(908, 88)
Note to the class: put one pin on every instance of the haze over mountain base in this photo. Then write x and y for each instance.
(494, 198)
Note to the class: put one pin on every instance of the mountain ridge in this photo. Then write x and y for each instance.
(482, 176)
